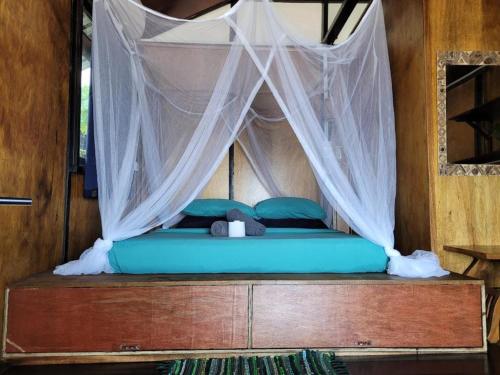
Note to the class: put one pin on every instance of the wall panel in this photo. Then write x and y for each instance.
(464, 210)
(247, 187)
(218, 186)
(84, 224)
(34, 71)
(433, 209)
(405, 34)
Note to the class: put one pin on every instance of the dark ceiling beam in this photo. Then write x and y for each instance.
(324, 18)
(209, 9)
(340, 20)
(184, 8)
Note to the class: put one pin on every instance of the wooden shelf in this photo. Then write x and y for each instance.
(489, 111)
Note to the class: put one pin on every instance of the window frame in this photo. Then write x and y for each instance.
(75, 163)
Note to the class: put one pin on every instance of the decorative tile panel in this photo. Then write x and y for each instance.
(459, 58)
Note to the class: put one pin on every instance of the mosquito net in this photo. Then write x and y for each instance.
(171, 96)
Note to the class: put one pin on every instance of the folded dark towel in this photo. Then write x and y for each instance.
(252, 227)
(219, 229)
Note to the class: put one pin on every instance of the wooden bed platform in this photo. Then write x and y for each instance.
(77, 319)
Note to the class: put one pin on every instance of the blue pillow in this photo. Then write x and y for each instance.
(216, 207)
(289, 208)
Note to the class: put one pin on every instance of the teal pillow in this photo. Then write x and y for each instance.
(216, 207)
(289, 208)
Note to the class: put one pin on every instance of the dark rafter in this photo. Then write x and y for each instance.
(324, 18)
(210, 9)
(340, 20)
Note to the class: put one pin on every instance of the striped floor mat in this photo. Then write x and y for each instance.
(306, 362)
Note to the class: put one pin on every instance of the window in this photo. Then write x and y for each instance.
(80, 83)
(85, 86)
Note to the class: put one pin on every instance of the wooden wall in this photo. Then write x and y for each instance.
(289, 166)
(464, 210)
(34, 73)
(218, 186)
(84, 221)
(405, 34)
(433, 210)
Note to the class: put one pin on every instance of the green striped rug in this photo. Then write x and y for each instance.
(306, 362)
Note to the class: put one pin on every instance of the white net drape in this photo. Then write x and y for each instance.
(171, 96)
(276, 156)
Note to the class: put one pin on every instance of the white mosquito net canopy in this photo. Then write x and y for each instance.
(172, 95)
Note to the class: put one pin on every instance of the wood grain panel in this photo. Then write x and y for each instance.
(464, 210)
(104, 318)
(247, 187)
(127, 319)
(405, 37)
(49, 280)
(84, 219)
(218, 186)
(444, 210)
(381, 316)
(34, 73)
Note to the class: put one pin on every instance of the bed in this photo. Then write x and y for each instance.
(280, 250)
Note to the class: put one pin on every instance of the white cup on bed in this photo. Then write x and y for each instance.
(236, 228)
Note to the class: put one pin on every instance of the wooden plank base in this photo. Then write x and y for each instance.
(111, 318)
(127, 319)
(484, 265)
(493, 315)
(364, 316)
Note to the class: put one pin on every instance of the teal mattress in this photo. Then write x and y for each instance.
(281, 250)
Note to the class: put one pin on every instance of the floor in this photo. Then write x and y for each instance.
(474, 364)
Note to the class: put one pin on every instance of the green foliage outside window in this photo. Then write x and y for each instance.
(84, 120)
